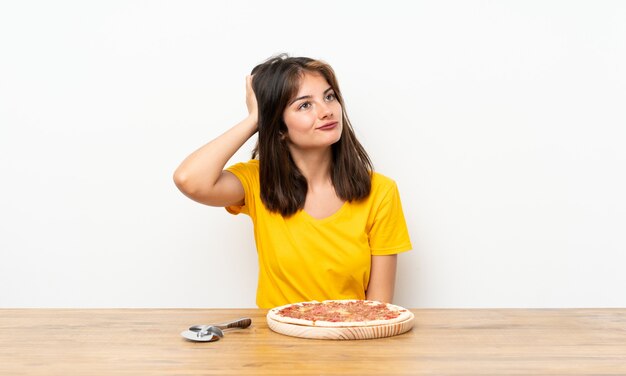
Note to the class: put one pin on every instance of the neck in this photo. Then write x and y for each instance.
(314, 165)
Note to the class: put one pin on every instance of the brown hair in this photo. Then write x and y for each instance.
(283, 187)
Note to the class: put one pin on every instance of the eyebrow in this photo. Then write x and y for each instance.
(307, 96)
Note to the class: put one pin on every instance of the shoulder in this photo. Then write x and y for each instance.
(247, 173)
(249, 168)
(252, 164)
(382, 184)
(384, 190)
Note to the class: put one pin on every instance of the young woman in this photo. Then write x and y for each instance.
(326, 226)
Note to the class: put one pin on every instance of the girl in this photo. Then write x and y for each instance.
(326, 226)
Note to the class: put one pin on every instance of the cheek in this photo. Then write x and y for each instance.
(298, 122)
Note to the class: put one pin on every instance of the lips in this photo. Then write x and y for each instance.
(328, 126)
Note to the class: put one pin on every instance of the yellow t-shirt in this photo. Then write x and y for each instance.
(302, 258)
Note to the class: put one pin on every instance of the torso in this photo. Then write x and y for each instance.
(325, 251)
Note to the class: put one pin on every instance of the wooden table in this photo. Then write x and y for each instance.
(443, 342)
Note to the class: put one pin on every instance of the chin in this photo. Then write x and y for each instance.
(340, 133)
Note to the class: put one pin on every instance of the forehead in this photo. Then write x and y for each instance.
(311, 82)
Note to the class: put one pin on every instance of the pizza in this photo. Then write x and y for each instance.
(339, 313)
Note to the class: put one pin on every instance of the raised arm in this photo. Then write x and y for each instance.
(201, 177)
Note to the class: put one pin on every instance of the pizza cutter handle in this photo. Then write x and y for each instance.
(239, 323)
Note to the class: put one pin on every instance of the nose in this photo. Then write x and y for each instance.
(325, 111)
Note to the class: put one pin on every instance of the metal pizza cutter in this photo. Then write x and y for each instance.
(210, 333)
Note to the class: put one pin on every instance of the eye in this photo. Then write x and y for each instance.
(304, 106)
(331, 97)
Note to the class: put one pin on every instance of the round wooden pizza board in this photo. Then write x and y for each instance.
(354, 332)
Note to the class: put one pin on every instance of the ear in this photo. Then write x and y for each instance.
(283, 135)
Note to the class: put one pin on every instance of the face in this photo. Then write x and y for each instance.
(313, 117)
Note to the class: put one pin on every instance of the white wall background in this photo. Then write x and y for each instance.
(503, 123)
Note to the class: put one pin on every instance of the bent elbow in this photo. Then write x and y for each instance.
(181, 179)
(192, 187)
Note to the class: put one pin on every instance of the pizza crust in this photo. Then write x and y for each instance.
(404, 315)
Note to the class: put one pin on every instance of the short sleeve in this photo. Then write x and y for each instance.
(389, 234)
(248, 175)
